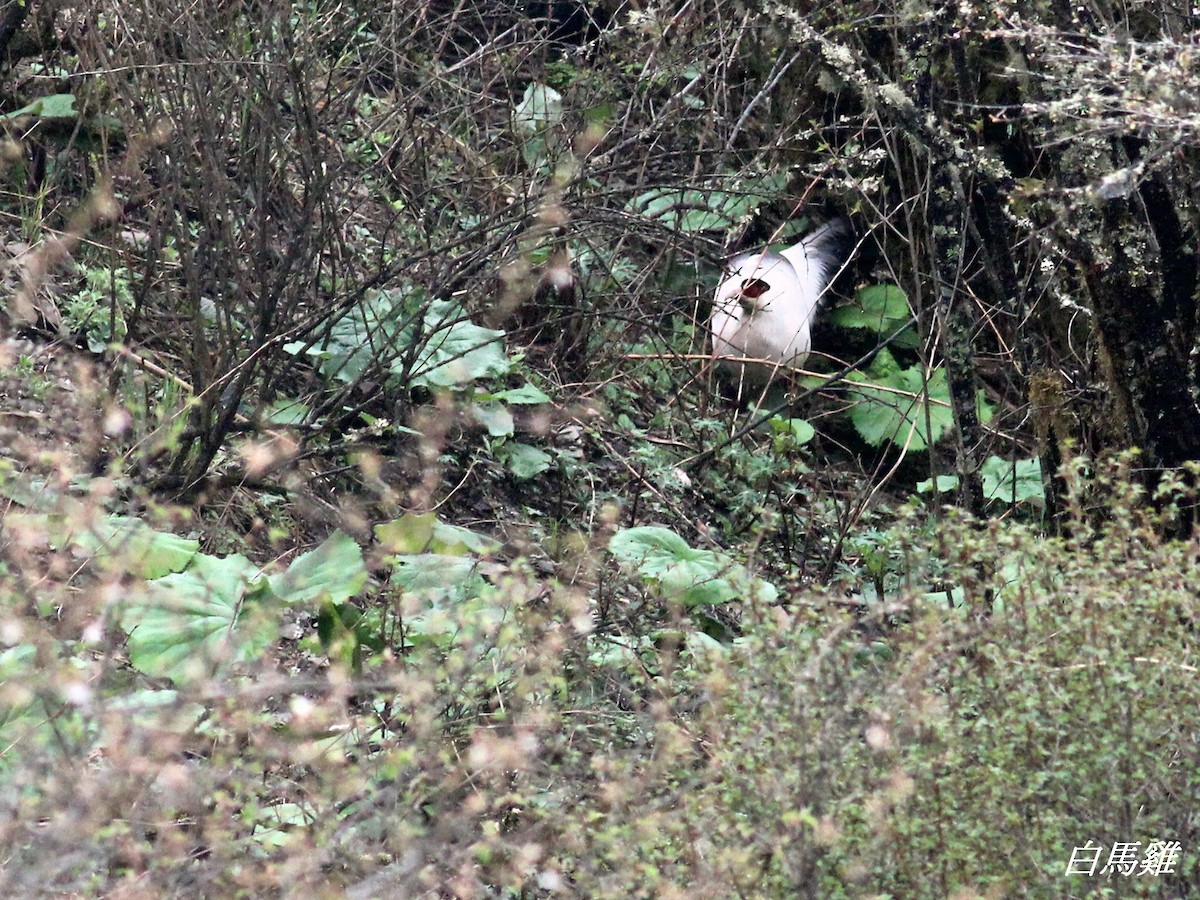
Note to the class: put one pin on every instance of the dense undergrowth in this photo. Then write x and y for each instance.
(473, 727)
(370, 524)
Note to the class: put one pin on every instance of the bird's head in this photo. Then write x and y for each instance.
(754, 282)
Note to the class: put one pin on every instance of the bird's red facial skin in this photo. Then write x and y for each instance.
(754, 288)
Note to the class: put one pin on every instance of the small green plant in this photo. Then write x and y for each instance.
(908, 406)
(196, 613)
(416, 343)
(412, 342)
(52, 106)
(684, 575)
(881, 309)
(1012, 482)
(97, 310)
(723, 204)
(37, 384)
(535, 123)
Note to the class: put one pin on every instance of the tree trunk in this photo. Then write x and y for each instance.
(1144, 301)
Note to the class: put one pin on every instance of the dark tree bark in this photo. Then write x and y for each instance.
(12, 17)
(1145, 306)
(947, 209)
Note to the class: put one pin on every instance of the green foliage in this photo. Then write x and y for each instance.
(441, 595)
(97, 310)
(1013, 481)
(909, 407)
(965, 758)
(881, 309)
(129, 543)
(1006, 481)
(202, 618)
(721, 205)
(928, 731)
(682, 574)
(414, 343)
(523, 460)
(333, 573)
(540, 108)
(437, 572)
(434, 713)
(188, 625)
(534, 118)
(426, 533)
(53, 106)
(456, 351)
(790, 434)
(490, 408)
(419, 343)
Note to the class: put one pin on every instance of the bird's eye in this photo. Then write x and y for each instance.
(754, 287)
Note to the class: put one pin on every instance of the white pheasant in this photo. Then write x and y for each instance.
(764, 308)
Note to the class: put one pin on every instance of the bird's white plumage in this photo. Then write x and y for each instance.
(764, 308)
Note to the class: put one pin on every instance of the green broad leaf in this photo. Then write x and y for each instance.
(382, 330)
(526, 394)
(438, 576)
(443, 597)
(129, 544)
(189, 625)
(18, 670)
(412, 533)
(440, 624)
(539, 111)
(29, 491)
(333, 572)
(610, 653)
(54, 106)
(892, 407)
(689, 576)
(697, 583)
(955, 598)
(600, 115)
(881, 309)
(945, 484)
(32, 721)
(379, 327)
(418, 533)
(17, 663)
(724, 204)
(702, 645)
(692, 211)
(456, 350)
(524, 461)
(277, 826)
(653, 549)
(1012, 482)
(796, 432)
(287, 411)
(343, 632)
(494, 416)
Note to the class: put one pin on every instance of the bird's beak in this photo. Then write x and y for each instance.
(752, 289)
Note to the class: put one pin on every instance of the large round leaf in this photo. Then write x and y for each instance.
(188, 625)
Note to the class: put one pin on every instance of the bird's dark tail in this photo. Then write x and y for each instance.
(832, 243)
(830, 248)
